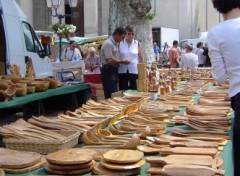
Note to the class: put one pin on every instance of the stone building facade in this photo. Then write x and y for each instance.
(91, 16)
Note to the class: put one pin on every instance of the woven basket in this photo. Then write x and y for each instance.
(41, 146)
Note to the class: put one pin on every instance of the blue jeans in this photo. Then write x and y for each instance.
(109, 76)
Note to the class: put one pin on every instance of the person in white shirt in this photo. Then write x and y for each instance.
(129, 48)
(224, 47)
(199, 52)
(189, 59)
(72, 53)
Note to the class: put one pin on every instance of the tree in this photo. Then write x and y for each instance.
(134, 12)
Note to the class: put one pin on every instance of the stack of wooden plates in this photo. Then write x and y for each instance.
(70, 161)
(17, 162)
(120, 162)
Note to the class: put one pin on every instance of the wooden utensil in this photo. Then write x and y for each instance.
(122, 166)
(101, 170)
(71, 156)
(123, 156)
(13, 159)
(188, 151)
(193, 144)
(184, 170)
(200, 160)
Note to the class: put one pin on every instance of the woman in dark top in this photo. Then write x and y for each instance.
(207, 58)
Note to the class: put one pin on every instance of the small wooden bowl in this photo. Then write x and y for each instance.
(21, 91)
(41, 86)
(30, 89)
(53, 83)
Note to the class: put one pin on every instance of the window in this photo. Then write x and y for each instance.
(31, 41)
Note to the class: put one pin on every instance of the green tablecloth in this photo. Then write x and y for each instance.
(41, 95)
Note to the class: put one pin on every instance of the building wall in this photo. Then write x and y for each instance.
(90, 18)
(189, 16)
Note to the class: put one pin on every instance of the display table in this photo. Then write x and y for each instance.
(67, 97)
(226, 155)
(93, 78)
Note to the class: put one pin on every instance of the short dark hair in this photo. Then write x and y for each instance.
(224, 6)
(199, 44)
(71, 42)
(120, 31)
(175, 42)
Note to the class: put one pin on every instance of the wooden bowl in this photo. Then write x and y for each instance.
(3, 86)
(25, 81)
(21, 84)
(15, 79)
(53, 83)
(41, 86)
(30, 89)
(21, 91)
(6, 91)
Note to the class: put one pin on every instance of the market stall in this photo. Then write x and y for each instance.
(193, 119)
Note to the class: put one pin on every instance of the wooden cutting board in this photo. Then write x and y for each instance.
(188, 151)
(183, 170)
(123, 156)
(148, 150)
(27, 169)
(13, 159)
(183, 159)
(71, 156)
(70, 167)
(70, 172)
(122, 166)
(101, 170)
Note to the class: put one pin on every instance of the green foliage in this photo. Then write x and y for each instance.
(150, 15)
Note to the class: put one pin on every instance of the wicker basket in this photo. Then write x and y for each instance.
(41, 146)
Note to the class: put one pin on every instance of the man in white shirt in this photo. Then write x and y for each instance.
(199, 52)
(72, 53)
(189, 59)
(224, 47)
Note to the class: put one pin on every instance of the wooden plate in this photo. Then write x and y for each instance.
(13, 159)
(70, 167)
(71, 156)
(148, 150)
(27, 169)
(101, 170)
(123, 166)
(123, 156)
(70, 172)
